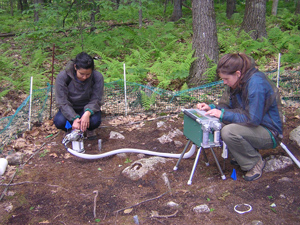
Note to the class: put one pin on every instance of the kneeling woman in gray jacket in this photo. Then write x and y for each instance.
(78, 93)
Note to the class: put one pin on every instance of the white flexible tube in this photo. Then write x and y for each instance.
(132, 150)
(290, 154)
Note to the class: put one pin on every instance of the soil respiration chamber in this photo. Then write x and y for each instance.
(203, 131)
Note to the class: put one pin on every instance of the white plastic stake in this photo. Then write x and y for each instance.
(125, 90)
(278, 70)
(290, 154)
(3, 165)
(30, 100)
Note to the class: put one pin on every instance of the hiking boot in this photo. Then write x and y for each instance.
(256, 171)
(91, 134)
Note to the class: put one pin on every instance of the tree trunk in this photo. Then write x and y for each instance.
(230, 8)
(20, 5)
(177, 11)
(254, 21)
(11, 7)
(297, 11)
(25, 4)
(274, 7)
(140, 14)
(37, 7)
(94, 11)
(205, 41)
(36, 14)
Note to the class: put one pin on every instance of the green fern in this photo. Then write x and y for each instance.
(148, 101)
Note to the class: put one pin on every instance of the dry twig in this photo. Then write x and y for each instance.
(31, 182)
(154, 214)
(95, 202)
(142, 202)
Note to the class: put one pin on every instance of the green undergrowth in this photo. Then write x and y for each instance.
(159, 52)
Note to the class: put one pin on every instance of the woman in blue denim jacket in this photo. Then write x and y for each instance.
(250, 109)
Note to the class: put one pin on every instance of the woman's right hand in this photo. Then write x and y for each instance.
(76, 124)
(203, 106)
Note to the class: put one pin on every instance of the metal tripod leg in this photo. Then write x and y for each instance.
(194, 166)
(218, 164)
(205, 157)
(181, 156)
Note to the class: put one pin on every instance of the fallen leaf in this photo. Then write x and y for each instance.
(53, 154)
(127, 211)
(224, 195)
(67, 155)
(154, 214)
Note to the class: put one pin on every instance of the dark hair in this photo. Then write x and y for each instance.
(231, 63)
(84, 61)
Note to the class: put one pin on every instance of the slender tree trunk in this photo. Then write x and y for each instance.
(177, 11)
(254, 21)
(11, 7)
(297, 11)
(205, 41)
(118, 3)
(65, 17)
(274, 7)
(37, 7)
(165, 6)
(20, 5)
(94, 11)
(230, 8)
(25, 4)
(36, 14)
(140, 14)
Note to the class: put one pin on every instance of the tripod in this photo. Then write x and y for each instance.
(197, 158)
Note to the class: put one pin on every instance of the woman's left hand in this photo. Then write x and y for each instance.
(214, 112)
(85, 121)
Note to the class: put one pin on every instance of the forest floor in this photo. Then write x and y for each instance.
(54, 187)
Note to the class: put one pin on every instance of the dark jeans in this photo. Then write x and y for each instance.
(60, 121)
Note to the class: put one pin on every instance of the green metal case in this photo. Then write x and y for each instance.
(192, 127)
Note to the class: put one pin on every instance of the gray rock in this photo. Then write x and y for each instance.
(201, 209)
(161, 124)
(256, 222)
(141, 167)
(140, 156)
(116, 135)
(172, 204)
(165, 139)
(275, 163)
(295, 135)
(15, 158)
(178, 144)
(122, 155)
(285, 179)
(169, 137)
(282, 196)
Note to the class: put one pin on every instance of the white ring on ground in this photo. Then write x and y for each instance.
(242, 212)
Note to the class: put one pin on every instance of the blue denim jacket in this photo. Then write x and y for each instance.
(257, 102)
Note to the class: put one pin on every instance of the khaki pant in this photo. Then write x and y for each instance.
(243, 143)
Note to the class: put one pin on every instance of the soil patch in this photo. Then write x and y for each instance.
(55, 187)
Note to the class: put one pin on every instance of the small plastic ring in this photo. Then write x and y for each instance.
(242, 212)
